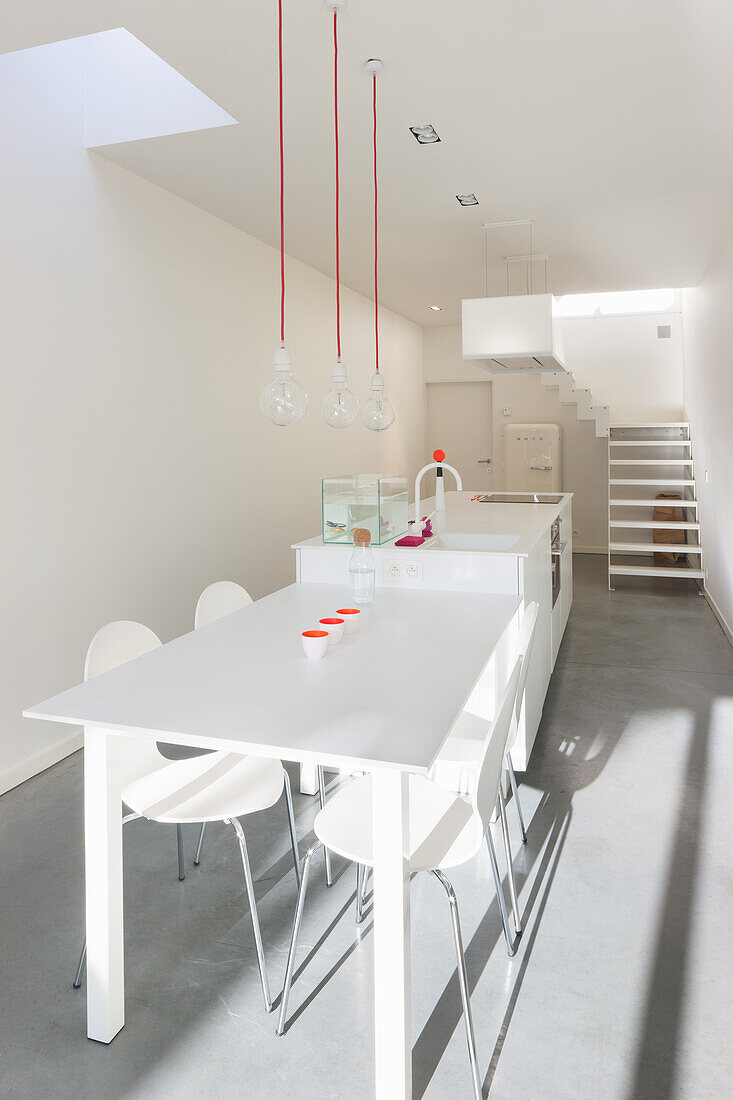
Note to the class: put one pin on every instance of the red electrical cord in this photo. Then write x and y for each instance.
(282, 170)
(376, 249)
(336, 148)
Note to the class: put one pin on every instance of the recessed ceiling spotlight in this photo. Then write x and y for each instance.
(436, 308)
(467, 200)
(425, 135)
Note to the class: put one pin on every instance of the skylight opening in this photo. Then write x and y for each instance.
(617, 303)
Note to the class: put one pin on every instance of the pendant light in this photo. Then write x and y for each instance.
(378, 412)
(340, 406)
(283, 400)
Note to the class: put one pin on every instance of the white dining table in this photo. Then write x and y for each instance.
(383, 700)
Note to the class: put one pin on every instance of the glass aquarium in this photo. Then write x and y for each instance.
(376, 502)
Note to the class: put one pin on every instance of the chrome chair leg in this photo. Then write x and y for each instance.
(463, 983)
(322, 800)
(360, 879)
(291, 824)
(280, 1029)
(515, 796)
(509, 864)
(234, 822)
(511, 949)
(199, 846)
(83, 957)
(80, 967)
(181, 861)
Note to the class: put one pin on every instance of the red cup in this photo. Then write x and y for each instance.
(351, 618)
(335, 628)
(315, 643)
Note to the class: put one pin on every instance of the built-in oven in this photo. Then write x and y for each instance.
(556, 549)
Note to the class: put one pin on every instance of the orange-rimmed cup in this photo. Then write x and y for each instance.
(315, 643)
(335, 628)
(350, 616)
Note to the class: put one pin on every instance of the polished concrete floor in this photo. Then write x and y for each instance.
(622, 988)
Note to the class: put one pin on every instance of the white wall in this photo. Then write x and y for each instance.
(585, 457)
(137, 334)
(625, 365)
(708, 381)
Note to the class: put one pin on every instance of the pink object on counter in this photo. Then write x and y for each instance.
(410, 540)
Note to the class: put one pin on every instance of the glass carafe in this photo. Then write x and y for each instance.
(362, 567)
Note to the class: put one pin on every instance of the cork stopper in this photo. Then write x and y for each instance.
(362, 536)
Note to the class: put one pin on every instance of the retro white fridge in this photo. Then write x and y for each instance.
(532, 458)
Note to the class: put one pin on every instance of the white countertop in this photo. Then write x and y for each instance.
(527, 522)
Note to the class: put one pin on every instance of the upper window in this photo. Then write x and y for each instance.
(617, 303)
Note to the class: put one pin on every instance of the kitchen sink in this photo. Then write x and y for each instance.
(472, 541)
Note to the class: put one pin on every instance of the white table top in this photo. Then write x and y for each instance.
(385, 696)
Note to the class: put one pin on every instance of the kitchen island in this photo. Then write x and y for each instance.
(497, 546)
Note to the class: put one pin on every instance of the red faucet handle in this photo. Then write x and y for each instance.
(439, 455)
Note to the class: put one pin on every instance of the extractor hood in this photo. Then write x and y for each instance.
(516, 333)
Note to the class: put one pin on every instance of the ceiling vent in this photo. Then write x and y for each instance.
(664, 332)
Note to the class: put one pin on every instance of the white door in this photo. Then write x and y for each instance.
(459, 422)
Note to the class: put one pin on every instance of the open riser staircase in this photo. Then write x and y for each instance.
(646, 459)
(570, 394)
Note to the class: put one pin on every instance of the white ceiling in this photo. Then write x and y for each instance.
(609, 124)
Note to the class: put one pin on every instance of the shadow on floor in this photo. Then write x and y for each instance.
(657, 1060)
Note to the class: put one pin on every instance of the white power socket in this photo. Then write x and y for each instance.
(402, 570)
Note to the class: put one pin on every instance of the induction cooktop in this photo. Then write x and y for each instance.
(520, 498)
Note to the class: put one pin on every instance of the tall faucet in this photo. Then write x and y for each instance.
(440, 464)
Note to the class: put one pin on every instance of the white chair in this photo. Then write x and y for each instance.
(446, 831)
(219, 599)
(526, 640)
(219, 786)
(456, 763)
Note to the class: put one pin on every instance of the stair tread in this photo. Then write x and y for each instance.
(650, 481)
(658, 571)
(652, 525)
(655, 547)
(636, 502)
(650, 461)
(654, 424)
(651, 442)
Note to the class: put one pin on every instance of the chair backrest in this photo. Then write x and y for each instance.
(220, 598)
(524, 649)
(115, 644)
(488, 775)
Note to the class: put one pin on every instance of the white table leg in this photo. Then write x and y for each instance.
(308, 779)
(392, 986)
(103, 779)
